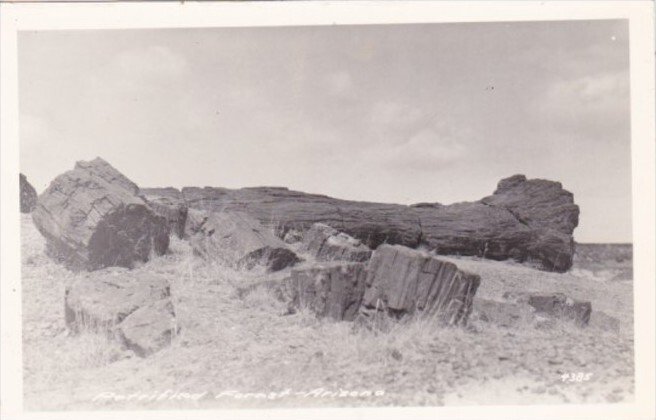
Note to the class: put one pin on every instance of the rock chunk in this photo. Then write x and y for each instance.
(241, 242)
(150, 328)
(93, 217)
(331, 290)
(560, 306)
(135, 309)
(327, 244)
(404, 281)
(28, 197)
(168, 203)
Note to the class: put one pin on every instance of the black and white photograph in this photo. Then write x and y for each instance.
(430, 214)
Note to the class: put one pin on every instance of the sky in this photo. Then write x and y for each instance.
(387, 113)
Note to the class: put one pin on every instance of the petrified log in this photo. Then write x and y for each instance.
(93, 217)
(527, 220)
(331, 290)
(28, 196)
(327, 244)
(240, 241)
(403, 281)
(168, 203)
(134, 309)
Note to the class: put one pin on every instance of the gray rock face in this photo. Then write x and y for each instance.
(93, 217)
(327, 244)
(150, 328)
(526, 220)
(28, 196)
(168, 203)
(134, 309)
(240, 241)
(560, 306)
(331, 290)
(404, 281)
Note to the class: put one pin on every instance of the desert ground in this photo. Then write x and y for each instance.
(239, 346)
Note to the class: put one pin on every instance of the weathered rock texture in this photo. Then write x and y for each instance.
(327, 244)
(94, 217)
(134, 309)
(560, 306)
(28, 196)
(404, 281)
(333, 290)
(526, 220)
(168, 203)
(240, 241)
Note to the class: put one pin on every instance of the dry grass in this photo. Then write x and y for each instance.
(244, 342)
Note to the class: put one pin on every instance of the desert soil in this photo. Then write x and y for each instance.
(244, 350)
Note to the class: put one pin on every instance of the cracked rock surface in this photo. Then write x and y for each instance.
(239, 241)
(135, 309)
(94, 217)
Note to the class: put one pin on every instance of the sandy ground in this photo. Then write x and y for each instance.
(237, 351)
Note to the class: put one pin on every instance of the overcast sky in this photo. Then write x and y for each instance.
(389, 113)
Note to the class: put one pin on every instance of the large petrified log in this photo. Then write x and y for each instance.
(135, 309)
(94, 217)
(28, 195)
(526, 220)
(404, 281)
(240, 241)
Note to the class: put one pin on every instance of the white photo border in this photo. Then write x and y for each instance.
(17, 17)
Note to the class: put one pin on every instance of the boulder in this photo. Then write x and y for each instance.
(332, 290)
(94, 217)
(28, 195)
(241, 242)
(524, 220)
(133, 308)
(327, 244)
(168, 203)
(403, 281)
(560, 306)
(150, 328)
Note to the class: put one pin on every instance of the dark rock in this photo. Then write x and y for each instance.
(240, 241)
(331, 290)
(404, 281)
(560, 306)
(93, 217)
(28, 196)
(327, 244)
(135, 309)
(168, 203)
(526, 220)
(293, 236)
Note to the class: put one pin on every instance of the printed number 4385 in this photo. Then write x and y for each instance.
(576, 376)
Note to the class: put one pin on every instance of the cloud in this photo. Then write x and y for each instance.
(410, 138)
(427, 150)
(595, 103)
(153, 61)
